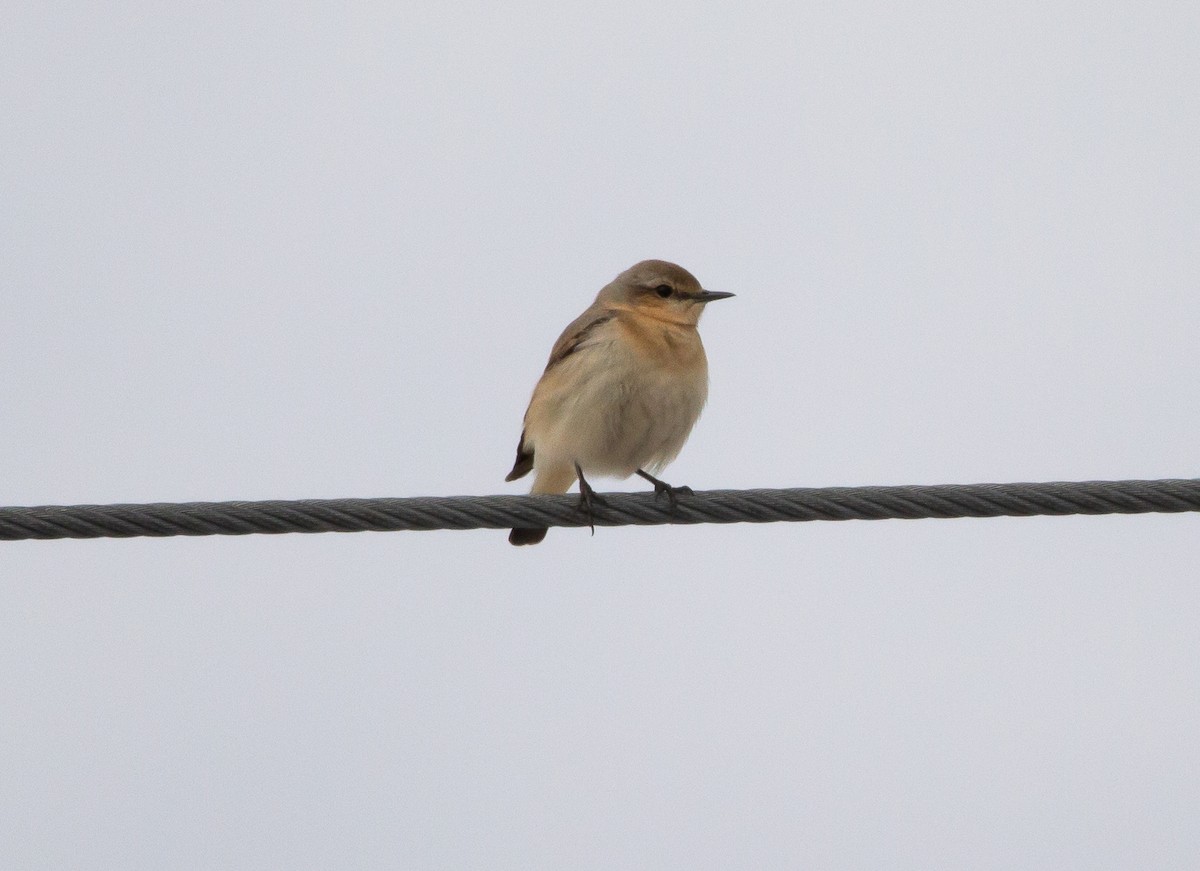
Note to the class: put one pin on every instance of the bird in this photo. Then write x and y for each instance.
(625, 384)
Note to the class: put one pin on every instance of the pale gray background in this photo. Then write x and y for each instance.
(316, 250)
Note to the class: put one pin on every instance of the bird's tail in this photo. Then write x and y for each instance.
(546, 481)
(526, 535)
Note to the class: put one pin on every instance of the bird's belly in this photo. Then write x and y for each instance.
(620, 421)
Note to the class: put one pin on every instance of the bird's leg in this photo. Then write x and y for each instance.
(661, 487)
(587, 498)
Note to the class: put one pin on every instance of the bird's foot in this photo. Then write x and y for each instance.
(588, 498)
(661, 487)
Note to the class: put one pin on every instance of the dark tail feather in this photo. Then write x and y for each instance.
(521, 535)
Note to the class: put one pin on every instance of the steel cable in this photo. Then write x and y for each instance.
(619, 509)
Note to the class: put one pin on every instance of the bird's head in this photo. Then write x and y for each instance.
(661, 290)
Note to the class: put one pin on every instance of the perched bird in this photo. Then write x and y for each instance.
(625, 384)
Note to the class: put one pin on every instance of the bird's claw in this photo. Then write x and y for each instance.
(588, 498)
(661, 487)
(673, 493)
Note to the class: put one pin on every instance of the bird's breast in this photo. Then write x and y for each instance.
(662, 344)
(625, 400)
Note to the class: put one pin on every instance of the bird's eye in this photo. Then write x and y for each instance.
(663, 290)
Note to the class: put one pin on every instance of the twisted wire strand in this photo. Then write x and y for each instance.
(618, 509)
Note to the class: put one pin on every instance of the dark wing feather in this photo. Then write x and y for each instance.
(524, 461)
(573, 337)
(576, 334)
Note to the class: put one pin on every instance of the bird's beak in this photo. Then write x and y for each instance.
(711, 295)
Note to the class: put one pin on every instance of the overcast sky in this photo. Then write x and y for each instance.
(274, 250)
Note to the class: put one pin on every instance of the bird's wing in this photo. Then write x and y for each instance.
(577, 333)
(574, 337)
(524, 460)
